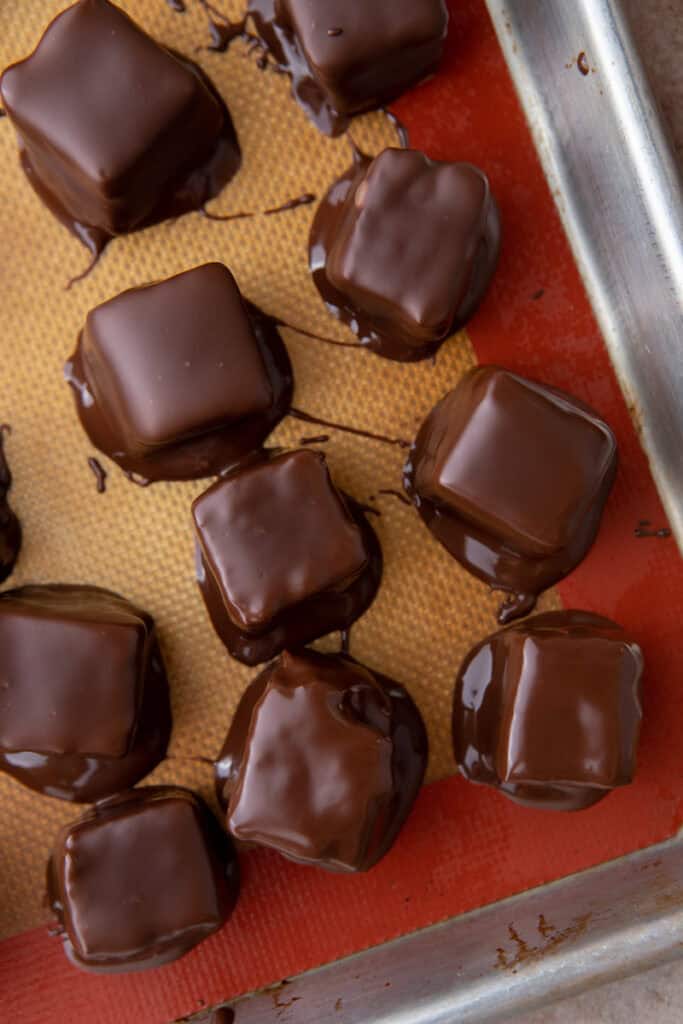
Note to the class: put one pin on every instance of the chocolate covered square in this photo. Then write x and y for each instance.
(84, 704)
(518, 459)
(284, 556)
(69, 682)
(512, 478)
(360, 55)
(569, 709)
(549, 710)
(107, 117)
(411, 251)
(322, 762)
(179, 378)
(141, 879)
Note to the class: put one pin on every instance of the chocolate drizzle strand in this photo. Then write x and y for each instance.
(307, 417)
(99, 473)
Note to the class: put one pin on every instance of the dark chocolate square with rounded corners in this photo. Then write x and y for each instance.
(276, 534)
(136, 877)
(107, 115)
(522, 462)
(175, 359)
(70, 682)
(407, 240)
(579, 734)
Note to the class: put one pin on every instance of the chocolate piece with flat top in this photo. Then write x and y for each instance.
(181, 378)
(512, 478)
(549, 710)
(323, 761)
(141, 879)
(402, 249)
(284, 557)
(10, 528)
(115, 131)
(347, 56)
(84, 703)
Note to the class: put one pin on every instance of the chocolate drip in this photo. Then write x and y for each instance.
(292, 204)
(100, 474)
(299, 414)
(319, 439)
(395, 494)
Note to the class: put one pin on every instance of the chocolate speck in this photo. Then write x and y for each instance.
(177, 5)
(538, 295)
(582, 63)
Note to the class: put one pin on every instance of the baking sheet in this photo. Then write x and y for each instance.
(463, 846)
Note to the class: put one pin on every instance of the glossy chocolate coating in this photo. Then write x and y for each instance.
(84, 703)
(115, 131)
(549, 710)
(402, 249)
(141, 879)
(347, 56)
(284, 557)
(10, 528)
(181, 378)
(512, 478)
(323, 761)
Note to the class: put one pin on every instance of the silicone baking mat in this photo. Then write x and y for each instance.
(463, 846)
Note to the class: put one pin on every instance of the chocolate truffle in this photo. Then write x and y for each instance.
(115, 131)
(402, 249)
(181, 378)
(283, 556)
(346, 56)
(549, 710)
(323, 761)
(141, 879)
(10, 529)
(512, 478)
(84, 704)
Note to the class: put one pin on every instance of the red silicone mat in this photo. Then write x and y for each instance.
(464, 846)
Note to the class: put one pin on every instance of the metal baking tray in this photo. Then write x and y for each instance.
(619, 194)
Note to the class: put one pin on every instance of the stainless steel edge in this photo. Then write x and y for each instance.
(554, 941)
(619, 194)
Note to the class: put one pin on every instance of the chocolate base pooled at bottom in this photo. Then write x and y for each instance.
(322, 762)
(141, 879)
(403, 256)
(549, 710)
(283, 557)
(512, 477)
(10, 527)
(182, 378)
(90, 712)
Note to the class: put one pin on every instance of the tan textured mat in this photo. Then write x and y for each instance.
(139, 542)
